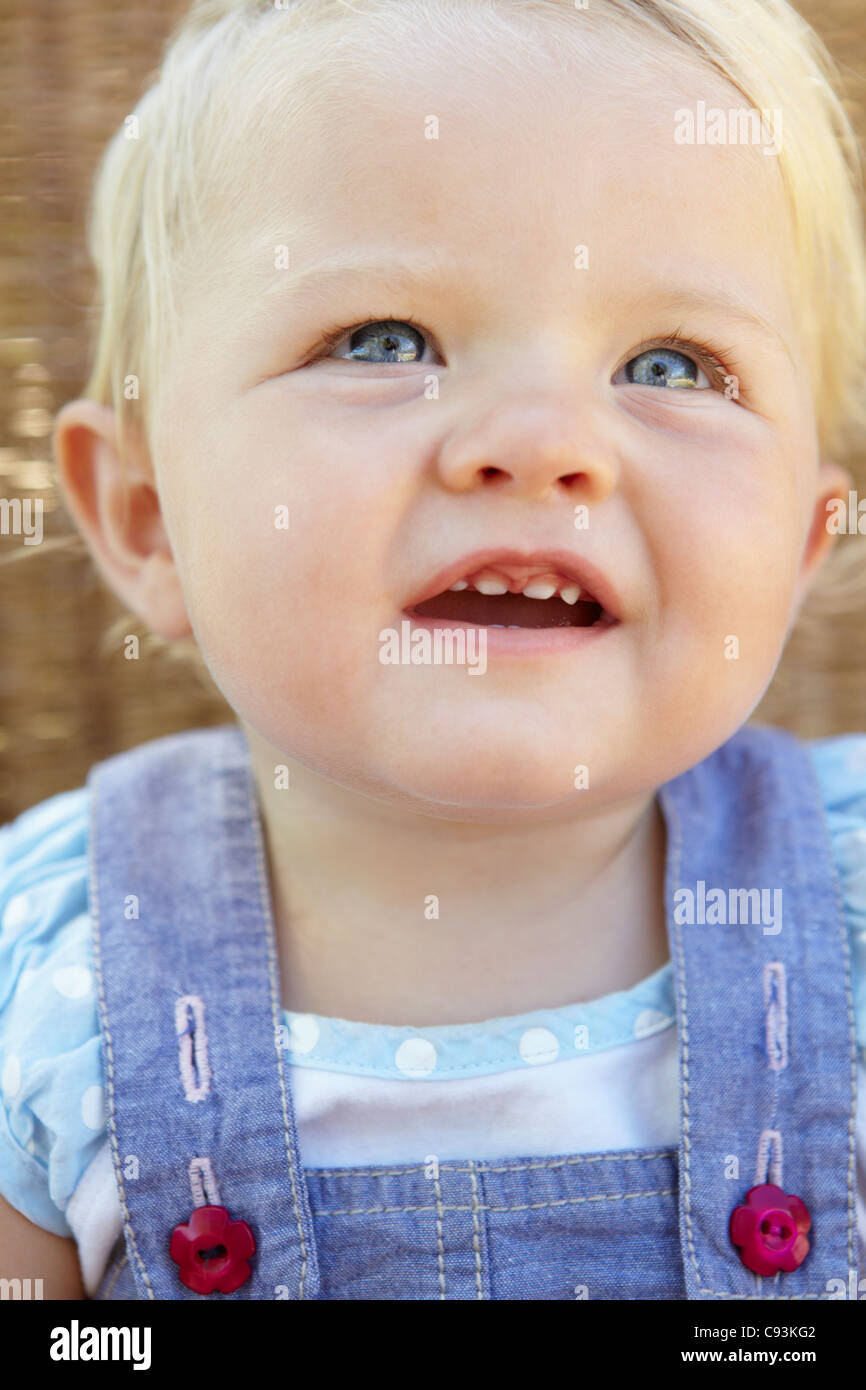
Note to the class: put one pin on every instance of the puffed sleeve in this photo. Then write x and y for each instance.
(52, 1120)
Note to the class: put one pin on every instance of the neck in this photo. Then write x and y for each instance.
(390, 917)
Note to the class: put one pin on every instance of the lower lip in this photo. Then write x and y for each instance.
(527, 641)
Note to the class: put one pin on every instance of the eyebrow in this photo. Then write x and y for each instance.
(725, 304)
(425, 268)
(431, 269)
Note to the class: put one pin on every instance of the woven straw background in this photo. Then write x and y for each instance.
(69, 73)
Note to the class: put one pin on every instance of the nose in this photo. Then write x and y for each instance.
(532, 447)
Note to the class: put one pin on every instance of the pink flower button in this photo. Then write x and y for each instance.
(212, 1251)
(770, 1230)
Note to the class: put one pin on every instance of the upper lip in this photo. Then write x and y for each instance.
(574, 567)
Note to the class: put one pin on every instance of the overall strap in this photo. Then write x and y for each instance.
(198, 1104)
(764, 1012)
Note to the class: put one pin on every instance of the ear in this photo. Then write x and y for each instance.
(115, 505)
(833, 481)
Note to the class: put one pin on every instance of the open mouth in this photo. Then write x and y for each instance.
(490, 599)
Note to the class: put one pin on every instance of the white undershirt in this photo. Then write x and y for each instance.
(623, 1098)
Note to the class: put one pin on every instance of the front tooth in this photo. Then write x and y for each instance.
(539, 590)
(571, 593)
(490, 585)
(461, 584)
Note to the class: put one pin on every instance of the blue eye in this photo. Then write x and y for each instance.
(386, 340)
(662, 366)
(383, 341)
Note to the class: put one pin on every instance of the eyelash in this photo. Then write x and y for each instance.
(333, 336)
(718, 360)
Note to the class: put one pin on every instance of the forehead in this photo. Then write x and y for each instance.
(504, 161)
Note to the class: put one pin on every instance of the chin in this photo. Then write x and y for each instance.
(481, 783)
(486, 805)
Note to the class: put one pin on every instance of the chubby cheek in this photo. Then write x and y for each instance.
(287, 616)
(726, 552)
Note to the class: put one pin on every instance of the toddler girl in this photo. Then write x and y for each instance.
(474, 386)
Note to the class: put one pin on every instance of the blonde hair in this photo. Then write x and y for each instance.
(234, 70)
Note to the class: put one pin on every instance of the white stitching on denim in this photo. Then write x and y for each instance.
(768, 1166)
(192, 1047)
(842, 918)
(489, 1168)
(273, 976)
(778, 1297)
(775, 987)
(439, 1242)
(686, 1177)
(846, 954)
(109, 1049)
(202, 1180)
(114, 1275)
(776, 1014)
(488, 1206)
(475, 1235)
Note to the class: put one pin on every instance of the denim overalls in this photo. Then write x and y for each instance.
(198, 1084)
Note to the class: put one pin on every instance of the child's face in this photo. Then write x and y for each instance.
(700, 505)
